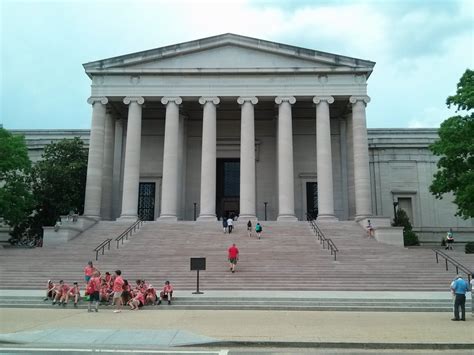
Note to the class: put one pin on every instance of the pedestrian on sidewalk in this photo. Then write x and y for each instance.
(224, 224)
(118, 289)
(230, 224)
(233, 255)
(258, 230)
(249, 228)
(459, 287)
(93, 290)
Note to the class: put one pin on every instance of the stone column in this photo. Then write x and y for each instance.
(118, 146)
(93, 194)
(324, 158)
(286, 186)
(208, 160)
(361, 157)
(106, 209)
(131, 172)
(169, 186)
(247, 158)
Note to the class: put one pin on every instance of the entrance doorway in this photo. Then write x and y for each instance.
(312, 199)
(146, 201)
(228, 187)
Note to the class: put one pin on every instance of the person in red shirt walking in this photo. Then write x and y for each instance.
(233, 255)
(93, 290)
(118, 289)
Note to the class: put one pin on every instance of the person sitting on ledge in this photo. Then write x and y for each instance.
(370, 229)
(166, 293)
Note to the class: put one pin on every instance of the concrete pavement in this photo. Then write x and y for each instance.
(174, 328)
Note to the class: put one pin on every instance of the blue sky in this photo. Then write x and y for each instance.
(421, 48)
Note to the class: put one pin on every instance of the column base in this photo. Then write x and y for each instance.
(287, 218)
(207, 218)
(167, 218)
(127, 218)
(327, 218)
(361, 217)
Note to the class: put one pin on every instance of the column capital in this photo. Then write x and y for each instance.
(355, 98)
(242, 99)
(138, 99)
(176, 99)
(280, 99)
(214, 99)
(318, 99)
(93, 99)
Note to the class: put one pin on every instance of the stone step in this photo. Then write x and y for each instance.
(283, 304)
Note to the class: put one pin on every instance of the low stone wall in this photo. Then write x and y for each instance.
(68, 229)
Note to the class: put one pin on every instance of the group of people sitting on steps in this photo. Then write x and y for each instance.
(108, 289)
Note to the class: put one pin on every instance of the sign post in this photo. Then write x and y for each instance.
(198, 264)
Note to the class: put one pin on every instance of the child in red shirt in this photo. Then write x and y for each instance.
(61, 293)
(73, 292)
(137, 302)
(166, 293)
(50, 290)
(150, 295)
(118, 289)
(93, 290)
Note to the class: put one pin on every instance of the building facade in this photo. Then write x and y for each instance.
(231, 125)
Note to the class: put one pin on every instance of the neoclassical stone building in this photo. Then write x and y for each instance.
(236, 125)
(231, 125)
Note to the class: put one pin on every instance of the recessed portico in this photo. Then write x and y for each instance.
(283, 112)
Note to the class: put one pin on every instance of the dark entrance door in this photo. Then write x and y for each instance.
(146, 201)
(312, 199)
(228, 187)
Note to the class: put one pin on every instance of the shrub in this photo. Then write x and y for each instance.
(401, 220)
(469, 249)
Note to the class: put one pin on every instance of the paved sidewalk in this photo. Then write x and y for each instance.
(171, 328)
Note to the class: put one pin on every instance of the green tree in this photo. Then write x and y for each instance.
(58, 182)
(456, 148)
(401, 220)
(16, 200)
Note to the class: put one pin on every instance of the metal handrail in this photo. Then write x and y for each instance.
(454, 262)
(129, 231)
(322, 238)
(102, 246)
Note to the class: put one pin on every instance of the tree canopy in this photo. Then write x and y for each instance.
(456, 150)
(16, 200)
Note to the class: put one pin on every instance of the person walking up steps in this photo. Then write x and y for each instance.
(233, 255)
(224, 224)
(230, 224)
(249, 228)
(258, 230)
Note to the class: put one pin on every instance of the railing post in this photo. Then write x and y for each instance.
(446, 260)
(457, 270)
(436, 253)
(96, 255)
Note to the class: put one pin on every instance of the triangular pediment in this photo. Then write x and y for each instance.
(228, 52)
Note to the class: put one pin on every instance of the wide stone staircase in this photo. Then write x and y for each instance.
(288, 258)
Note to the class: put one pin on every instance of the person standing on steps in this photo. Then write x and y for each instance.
(230, 224)
(118, 289)
(449, 240)
(224, 224)
(459, 287)
(249, 228)
(258, 230)
(233, 255)
(88, 271)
